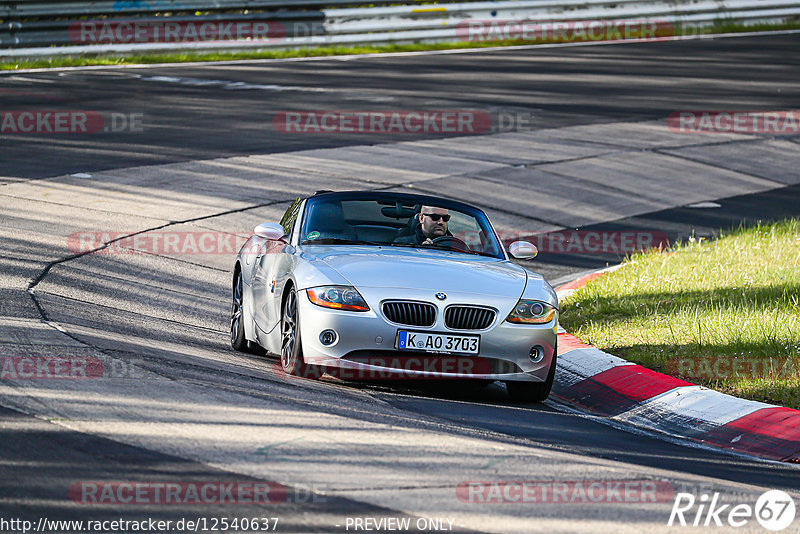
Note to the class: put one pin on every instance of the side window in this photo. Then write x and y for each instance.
(290, 217)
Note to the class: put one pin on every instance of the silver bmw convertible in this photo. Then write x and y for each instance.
(366, 284)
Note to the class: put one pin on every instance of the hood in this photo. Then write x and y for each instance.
(433, 270)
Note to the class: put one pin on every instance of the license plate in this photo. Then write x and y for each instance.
(438, 343)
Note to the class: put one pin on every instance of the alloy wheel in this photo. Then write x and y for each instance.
(236, 310)
(289, 331)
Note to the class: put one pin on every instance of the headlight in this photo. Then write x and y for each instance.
(337, 297)
(532, 312)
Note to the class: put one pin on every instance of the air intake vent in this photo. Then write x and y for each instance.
(410, 313)
(468, 318)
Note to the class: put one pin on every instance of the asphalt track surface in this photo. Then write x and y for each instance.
(184, 407)
(197, 112)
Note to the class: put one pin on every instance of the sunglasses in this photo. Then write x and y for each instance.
(435, 217)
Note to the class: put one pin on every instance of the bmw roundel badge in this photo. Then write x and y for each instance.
(441, 296)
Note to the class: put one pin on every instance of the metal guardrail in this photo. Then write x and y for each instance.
(404, 18)
(58, 27)
(62, 8)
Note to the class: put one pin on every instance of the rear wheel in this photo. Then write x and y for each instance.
(533, 391)
(291, 348)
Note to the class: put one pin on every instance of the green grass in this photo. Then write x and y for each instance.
(730, 26)
(721, 26)
(722, 313)
(183, 57)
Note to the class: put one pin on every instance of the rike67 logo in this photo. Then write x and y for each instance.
(774, 510)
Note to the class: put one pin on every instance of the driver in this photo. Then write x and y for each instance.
(432, 224)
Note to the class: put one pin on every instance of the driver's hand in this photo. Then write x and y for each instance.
(428, 242)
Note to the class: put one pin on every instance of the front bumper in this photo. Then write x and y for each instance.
(365, 345)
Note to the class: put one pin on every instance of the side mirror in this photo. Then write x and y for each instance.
(522, 250)
(271, 231)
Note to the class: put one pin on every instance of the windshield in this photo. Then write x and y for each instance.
(400, 223)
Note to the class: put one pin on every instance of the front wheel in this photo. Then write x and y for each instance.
(533, 391)
(291, 348)
(238, 341)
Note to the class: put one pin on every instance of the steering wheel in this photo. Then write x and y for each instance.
(452, 242)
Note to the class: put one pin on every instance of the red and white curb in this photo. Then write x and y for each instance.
(605, 385)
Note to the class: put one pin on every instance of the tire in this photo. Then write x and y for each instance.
(291, 348)
(238, 340)
(533, 391)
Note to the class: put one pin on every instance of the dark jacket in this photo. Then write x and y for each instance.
(417, 238)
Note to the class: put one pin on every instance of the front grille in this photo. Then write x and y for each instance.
(410, 313)
(468, 318)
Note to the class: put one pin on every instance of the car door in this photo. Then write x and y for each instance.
(271, 266)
